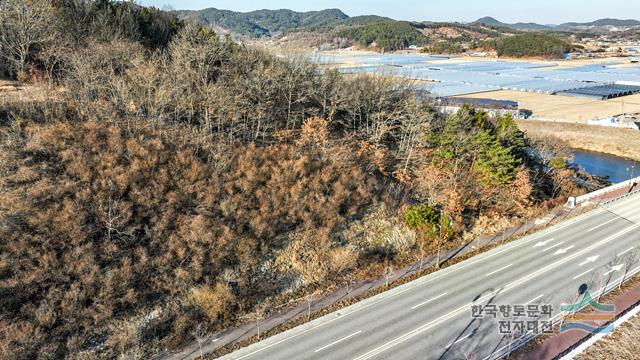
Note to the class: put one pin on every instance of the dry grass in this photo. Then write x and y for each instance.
(623, 344)
(14, 92)
(565, 108)
(620, 142)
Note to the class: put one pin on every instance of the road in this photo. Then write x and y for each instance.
(431, 318)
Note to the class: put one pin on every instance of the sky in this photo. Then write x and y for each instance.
(540, 11)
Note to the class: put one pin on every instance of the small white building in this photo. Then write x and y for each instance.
(622, 122)
(495, 108)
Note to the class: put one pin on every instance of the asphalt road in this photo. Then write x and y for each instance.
(431, 318)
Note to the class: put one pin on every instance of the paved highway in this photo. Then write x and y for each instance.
(431, 318)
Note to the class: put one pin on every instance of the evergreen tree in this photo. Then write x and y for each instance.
(509, 135)
(494, 162)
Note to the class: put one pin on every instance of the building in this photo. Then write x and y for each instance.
(624, 122)
(451, 105)
(603, 92)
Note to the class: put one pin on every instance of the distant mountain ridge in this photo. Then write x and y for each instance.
(269, 22)
(604, 22)
(607, 22)
(266, 23)
(518, 26)
(569, 25)
(538, 27)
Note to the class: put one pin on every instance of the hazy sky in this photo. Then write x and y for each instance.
(541, 11)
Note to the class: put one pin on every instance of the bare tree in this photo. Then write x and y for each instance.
(295, 80)
(200, 334)
(113, 217)
(310, 298)
(633, 259)
(421, 253)
(259, 317)
(24, 26)
(350, 278)
(388, 272)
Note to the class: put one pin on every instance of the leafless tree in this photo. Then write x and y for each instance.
(113, 217)
(388, 273)
(420, 254)
(633, 259)
(296, 79)
(201, 335)
(24, 25)
(310, 298)
(259, 317)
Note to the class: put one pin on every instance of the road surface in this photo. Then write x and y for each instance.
(431, 318)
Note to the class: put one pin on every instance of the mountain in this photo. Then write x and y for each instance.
(487, 20)
(606, 22)
(530, 26)
(266, 22)
(602, 23)
(517, 26)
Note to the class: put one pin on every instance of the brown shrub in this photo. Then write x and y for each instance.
(214, 301)
(99, 225)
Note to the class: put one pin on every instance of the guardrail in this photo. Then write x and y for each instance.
(575, 201)
(621, 197)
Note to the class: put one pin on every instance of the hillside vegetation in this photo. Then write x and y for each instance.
(264, 22)
(604, 22)
(161, 187)
(518, 26)
(533, 45)
(387, 36)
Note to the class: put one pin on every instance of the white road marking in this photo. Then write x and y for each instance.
(338, 341)
(601, 225)
(626, 251)
(553, 246)
(483, 257)
(463, 308)
(563, 251)
(341, 317)
(532, 300)
(428, 301)
(589, 260)
(543, 243)
(616, 268)
(497, 271)
(583, 274)
(460, 340)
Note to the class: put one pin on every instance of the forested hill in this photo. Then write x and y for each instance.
(605, 22)
(529, 26)
(263, 22)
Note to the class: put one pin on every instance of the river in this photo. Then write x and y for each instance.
(616, 168)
